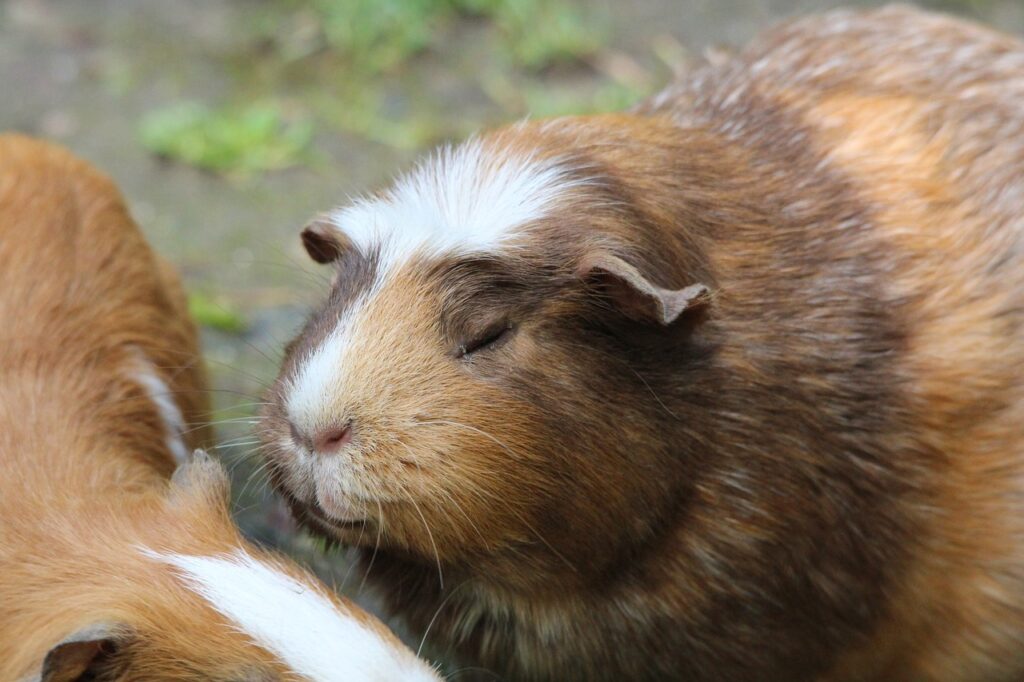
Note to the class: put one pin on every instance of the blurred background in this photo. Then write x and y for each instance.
(229, 123)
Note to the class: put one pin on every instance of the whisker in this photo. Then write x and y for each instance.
(620, 361)
(352, 561)
(471, 668)
(266, 356)
(262, 381)
(509, 507)
(236, 443)
(437, 612)
(547, 544)
(447, 496)
(437, 555)
(254, 474)
(483, 433)
(376, 546)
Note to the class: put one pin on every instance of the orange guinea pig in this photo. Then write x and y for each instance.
(110, 568)
(726, 387)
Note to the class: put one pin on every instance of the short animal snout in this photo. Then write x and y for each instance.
(331, 439)
(324, 441)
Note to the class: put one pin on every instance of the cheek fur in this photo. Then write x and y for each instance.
(451, 453)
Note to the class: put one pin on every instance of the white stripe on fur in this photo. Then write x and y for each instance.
(160, 393)
(295, 621)
(314, 392)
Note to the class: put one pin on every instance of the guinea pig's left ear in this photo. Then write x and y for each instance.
(324, 240)
(637, 297)
(77, 657)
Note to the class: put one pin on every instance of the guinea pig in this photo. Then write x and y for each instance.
(112, 569)
(725, 387)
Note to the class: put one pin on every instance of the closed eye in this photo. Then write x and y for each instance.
(490, 338)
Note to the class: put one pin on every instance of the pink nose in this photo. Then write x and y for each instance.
(332, 439)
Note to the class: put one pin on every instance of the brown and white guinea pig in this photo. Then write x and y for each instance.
(728, 387)
(110, 570)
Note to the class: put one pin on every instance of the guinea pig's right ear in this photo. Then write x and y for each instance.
(200, 477)
(324, 240)
(79, 656)
(634, 295)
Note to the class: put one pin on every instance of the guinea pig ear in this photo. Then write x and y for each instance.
(201, 476)
(636, 296)
(323, 240)
(79, 656)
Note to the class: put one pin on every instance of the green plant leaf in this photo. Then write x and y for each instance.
(232, 140)
(215, 313)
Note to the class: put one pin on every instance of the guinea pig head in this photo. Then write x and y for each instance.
(187, 599)
(482, 382)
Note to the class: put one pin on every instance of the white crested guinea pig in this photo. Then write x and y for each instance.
(727, 387)
(114, 565)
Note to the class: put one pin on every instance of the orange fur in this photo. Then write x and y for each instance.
(85, 469)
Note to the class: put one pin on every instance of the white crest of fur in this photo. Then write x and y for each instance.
(148, 376)
(463, 199)
(295, 621)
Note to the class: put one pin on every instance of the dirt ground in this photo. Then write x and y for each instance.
(86, 72)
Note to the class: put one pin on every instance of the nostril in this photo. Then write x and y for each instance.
(332, 439)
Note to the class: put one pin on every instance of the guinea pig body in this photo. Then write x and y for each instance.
(110, 570)
(727, 387)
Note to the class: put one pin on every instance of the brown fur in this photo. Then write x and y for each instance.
(820, 475)
(85, 469)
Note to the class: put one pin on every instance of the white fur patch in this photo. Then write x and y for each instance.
(308, 403)
(463, 199)
(160, 393)
(295, 621)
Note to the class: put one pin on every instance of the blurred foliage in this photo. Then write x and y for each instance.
(360, 113)
(215, 313)
(961, 6)
(542, 33)
(376, 36)
(233, 140)
(539, 100)
(386, 71)
(397, 73)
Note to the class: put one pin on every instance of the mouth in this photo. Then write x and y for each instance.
(316, 521)
(311, 517)
(314, 512)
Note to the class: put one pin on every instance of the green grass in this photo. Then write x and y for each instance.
(361, 113)
(241, 140)
(367, 68)
(537, 34)
(375, 36)
(538, 101)
(379, 36)
(215, 313)
(375, 39)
